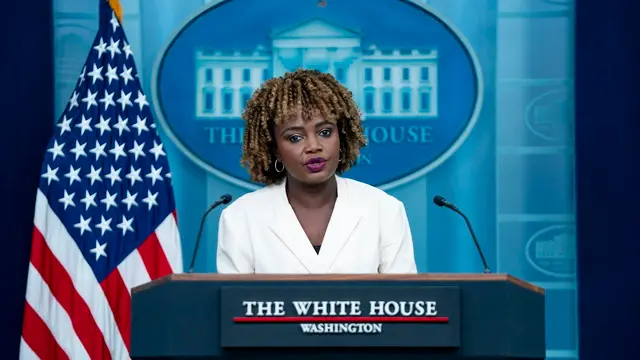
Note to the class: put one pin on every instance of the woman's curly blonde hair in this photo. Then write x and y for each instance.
(306, 92)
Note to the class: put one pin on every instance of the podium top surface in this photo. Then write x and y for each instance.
(190, 277)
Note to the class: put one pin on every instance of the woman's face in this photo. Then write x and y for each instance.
(309, 150)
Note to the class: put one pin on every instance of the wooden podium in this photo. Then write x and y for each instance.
(424, 316)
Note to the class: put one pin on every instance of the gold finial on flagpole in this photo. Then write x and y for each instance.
(117, 8)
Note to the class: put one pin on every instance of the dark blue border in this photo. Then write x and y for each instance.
(27, 119)
(607, 54)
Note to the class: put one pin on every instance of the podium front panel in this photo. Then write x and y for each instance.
(339, 316)
(203, 317)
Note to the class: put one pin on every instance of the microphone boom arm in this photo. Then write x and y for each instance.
(475, 240)
(440, 201)
(224, 199)
(195, 250)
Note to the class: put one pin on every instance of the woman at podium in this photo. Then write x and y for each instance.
(302, 131)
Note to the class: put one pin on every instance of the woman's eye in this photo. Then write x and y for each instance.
(325, 132)
(295, 138)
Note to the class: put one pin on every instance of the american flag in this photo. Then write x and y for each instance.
(105, 214)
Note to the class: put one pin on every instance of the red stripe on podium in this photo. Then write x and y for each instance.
(341, 319)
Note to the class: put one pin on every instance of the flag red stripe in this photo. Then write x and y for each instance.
(119, 300)
(154, 258)
(115, 289)
(61, 286)
(38, 336)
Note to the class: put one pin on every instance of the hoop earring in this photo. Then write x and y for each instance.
(275, 165)
(340, 159)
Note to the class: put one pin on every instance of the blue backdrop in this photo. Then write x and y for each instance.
(518, 154)
(514, 175)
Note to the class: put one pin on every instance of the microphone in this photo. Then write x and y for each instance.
(224, 199)
(440, 201)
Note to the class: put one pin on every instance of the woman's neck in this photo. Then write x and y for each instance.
(312, 196)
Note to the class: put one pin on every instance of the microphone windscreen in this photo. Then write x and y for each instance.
(439, 200)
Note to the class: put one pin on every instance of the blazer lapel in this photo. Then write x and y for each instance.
(287, 228)
(346, 215)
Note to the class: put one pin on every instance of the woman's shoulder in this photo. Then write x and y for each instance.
(255, 200)
(369, 193)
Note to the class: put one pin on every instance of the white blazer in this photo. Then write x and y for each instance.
(368, 233)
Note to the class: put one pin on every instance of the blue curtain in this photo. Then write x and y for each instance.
(26, 121)
(608, 172)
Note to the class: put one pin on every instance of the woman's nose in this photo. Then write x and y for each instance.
(313, 145)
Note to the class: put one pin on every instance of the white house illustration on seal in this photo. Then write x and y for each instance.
(558, 248)
(386, 83)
